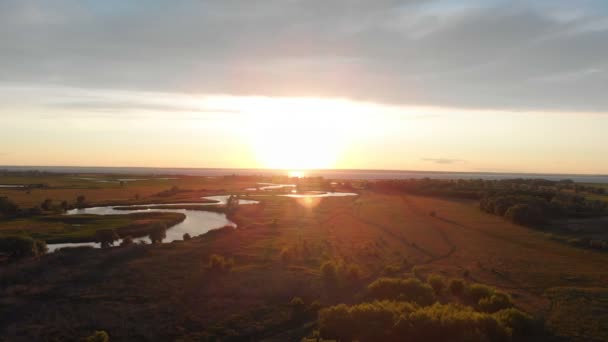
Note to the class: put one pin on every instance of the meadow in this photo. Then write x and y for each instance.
(241, 284)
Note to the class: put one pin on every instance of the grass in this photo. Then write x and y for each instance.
(166, 292)
(82, 228)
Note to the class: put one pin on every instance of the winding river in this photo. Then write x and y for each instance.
(197, 222)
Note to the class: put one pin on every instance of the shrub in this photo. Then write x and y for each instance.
(451, 323)
(219, 264)
(525, 214)
(106, 237)
(397, 321)
(158, 233)
(81, 202)
(409, 290)
(315, 306)
(47, 204)
(329, 272)
(353, 273)
(41, 247)
(498, 301)
(391, 270)
(21, 247)
(522, 324)
(335, 322)
(437, 282)
(187, 237)
(457, 287)
(8, 207)
(298, 308)
(98, 336)
(126, 241)
(475, 292)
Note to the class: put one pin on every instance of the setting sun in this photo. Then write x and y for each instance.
(298, 133)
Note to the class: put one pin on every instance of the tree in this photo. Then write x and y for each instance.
(232, 203)
(437, 282)
(81, 201)
(41, 247)
(457, 287)
(106, 237)
(297, 308)
(21, 246)
(64, 205)
(329, 272)
(126, 241)
(158, 233)
(524, 214)
(8, 207)
(47, 204)
(408, 290)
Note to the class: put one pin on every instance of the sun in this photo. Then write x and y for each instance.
(296, 134)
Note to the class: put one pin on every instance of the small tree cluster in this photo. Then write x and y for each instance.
(106, 237)
(158, 233)
(408, 290)
(393, 321)
(22, 247)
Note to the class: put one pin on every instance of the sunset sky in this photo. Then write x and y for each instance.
(506, 86)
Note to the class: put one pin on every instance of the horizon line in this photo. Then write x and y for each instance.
(309, 170)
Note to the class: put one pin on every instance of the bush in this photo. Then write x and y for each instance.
(522, 324)
(187, 237)
(41, 247)
(329, 272)
(353, 273)
(451, 323)
(475, 292)
(391, 270)
(126, 241)
(409, 290)
(106, 237)
(98, 336)
(397, 321)
(298, 308)
(8, 207)
(497, 302)
(437, 282)
(457, 287)
(219, 264)
(336, 323)
(21, 247)
(158, 233)
(525, 214)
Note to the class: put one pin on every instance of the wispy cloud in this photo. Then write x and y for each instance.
(443, 160)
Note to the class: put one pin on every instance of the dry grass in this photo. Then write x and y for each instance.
(166, 291)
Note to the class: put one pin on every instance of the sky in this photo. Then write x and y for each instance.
(467, 85)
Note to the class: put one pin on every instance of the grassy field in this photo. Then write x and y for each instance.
(167, 292)
(82, 228)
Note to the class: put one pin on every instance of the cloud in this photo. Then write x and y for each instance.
(495, 54)
(117, 106)
(444, 161)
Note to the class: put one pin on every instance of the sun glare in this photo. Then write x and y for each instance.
(296, 174)
(297, 134)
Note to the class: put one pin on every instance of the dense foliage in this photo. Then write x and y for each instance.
(22, 247)
(399, 308)
(523, 201)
